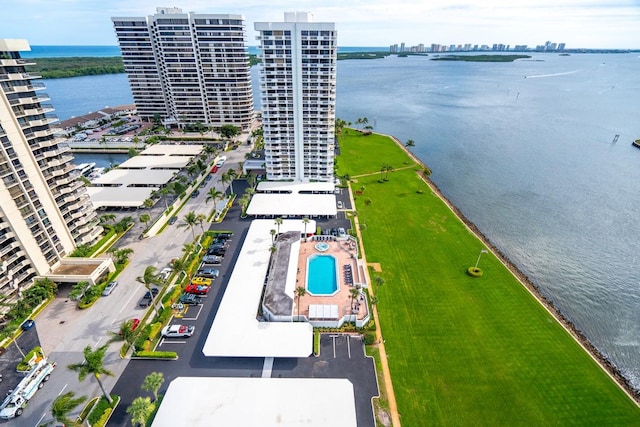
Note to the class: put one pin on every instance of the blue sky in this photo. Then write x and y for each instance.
(578, 23)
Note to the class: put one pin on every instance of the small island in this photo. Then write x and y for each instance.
(480, 58)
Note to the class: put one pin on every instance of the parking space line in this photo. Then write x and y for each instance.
(333, 337)
(349, 345)
(197, 315)
(163, 341)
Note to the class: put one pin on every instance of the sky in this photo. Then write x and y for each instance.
(578, 23)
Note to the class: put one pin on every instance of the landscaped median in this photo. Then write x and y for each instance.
(464, 350)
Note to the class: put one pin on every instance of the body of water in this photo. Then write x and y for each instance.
(525, 150)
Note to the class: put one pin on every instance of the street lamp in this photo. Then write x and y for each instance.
(475, 267)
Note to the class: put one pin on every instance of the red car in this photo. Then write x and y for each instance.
(197, 289)
(134, 325)
(214, 169)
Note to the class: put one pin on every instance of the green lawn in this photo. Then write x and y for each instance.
(462, 350)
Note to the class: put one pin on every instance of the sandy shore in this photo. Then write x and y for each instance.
(606, 364)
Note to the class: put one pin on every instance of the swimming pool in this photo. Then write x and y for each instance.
(321, 275)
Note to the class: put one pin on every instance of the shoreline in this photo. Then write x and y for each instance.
(614, 373)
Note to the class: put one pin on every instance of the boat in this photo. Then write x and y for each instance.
(636, 143)
(84, 169)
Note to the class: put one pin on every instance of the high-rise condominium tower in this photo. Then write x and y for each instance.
(188, 68)
(298, 89)
(45, 211)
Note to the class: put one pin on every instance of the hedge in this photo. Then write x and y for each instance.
(97, 413)
(23, 366)
(157, 354)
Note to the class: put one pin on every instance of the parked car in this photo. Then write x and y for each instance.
(134, 325)
(109, 288)
(190, 299)
(177, 331)
(208, 272)
(340, 205)
(195, 194)
(173, 220)
(201, 281)
(207, 178)
(212, 259)
(221, 161)
(214, 169)
(27, 324)
(153, 291)
(165, 273)
(342, 232)
(217, 251)
(197, 289)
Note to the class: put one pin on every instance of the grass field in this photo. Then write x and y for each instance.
(463, 350)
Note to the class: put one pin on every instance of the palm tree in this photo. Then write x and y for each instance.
(355, 292)
(63, 405)
(120, 256)
(105, 218)
(93, 364)
(126, 333)
(367, 202)
(152, 383)
(147, 203)
(190, 220)
(273, 235)
(305, 221)
(148, 278)
(145, 218)
(231, 175)
(201, 219)
(244, 203)
(187, 249)
(214, 195)
(278, 224)
(180, 265)
(140, 409)
(300, 292)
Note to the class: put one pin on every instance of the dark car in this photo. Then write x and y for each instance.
(217, 250)
(195, 194)
(173, 220)
(190, 299)
(27, 324)
(153, 291)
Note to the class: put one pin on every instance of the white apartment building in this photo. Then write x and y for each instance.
(298, 89)
(188, 68)
(45, 211)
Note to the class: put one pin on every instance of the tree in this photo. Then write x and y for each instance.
(149, 278)
(78, 290)
(305, 221)
(201, 219)
(410, 143)
(367, 202)
(140, 409)
(190, 220)
(180, 265)
(63, 405)
(147, 203)
(214, 195)
(125, 333)
(120, 256)
(229, 176)
(152, 383)
(93, 364)
(229, 131)
(107, 218)
(354, 293)
(300, 292)
(278, 223)
(273, 235)
(145, 218)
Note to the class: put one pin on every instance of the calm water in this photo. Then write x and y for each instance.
(321, 279)
(529, 160)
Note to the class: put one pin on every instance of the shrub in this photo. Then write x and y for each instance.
(474, 272)
(158, 354)
(102, 421)
(154, 329)
(369, 338)
(24, 365)
(101, 407)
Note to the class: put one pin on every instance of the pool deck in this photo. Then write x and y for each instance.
(344, 255)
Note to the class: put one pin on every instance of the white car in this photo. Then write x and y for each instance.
(340, 205)
(165, 273)
(109, 288)
(221, 161)
(178, 331)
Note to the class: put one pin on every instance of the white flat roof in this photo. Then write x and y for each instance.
(126, 177)
(295, 187)
(265, 402)
(173, 149)
(293, 204)
(235, 331)
(154, 162)
(125, 197)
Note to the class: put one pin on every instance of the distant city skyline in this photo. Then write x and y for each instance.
(603, 24)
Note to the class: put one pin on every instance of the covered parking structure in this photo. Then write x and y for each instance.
(236, 331)
(293, 199)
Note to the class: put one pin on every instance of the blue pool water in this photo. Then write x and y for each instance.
(321, 275)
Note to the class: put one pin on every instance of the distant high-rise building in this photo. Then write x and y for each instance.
(402, 47)
(45, 212)
(561, 46)
(393, 48)
(298, 89)
(188, 67)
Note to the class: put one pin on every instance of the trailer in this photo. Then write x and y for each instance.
(17, 399)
